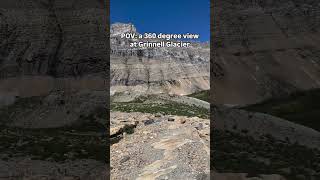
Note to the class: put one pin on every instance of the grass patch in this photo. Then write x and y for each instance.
(267, 156)
(202, 95)
(57, 144)
(25, 104)
(171, 108)
(301, 108)
(84, 139)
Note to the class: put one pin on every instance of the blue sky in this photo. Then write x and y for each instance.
(164, 16)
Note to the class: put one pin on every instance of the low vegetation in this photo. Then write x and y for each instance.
(58, 144)
(170, 108)
(84, 139)
(202, 95)
(265, 156)
(301, 108)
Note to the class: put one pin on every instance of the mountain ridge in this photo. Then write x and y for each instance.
(156, 70)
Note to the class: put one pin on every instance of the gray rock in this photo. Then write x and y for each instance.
(168, 150)
(149, 121)
(264, 49)
(124, 159)
(264, 125)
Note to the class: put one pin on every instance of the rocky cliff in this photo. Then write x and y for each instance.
(47, 44)
(156, 70)
(53, 62)
(264, 49)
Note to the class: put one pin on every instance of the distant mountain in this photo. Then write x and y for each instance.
(157, 70)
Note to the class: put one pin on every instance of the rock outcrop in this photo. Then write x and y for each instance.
(148, 146)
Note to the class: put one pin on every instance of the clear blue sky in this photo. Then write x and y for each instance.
(165, 16)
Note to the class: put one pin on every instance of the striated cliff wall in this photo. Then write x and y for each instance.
(157, 70)
(45, 42)
(264, 49)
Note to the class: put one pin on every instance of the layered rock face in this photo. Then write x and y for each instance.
(157, 70)
(53, 75)
(45, 43)
(264, 49)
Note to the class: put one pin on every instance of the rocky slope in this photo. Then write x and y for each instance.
(259, 124)
(264, 49)
(148, 146)
(159, 136)
(260, 144)
(53, 98)
(49, 136)
(156, 70)
(157, 146)
(246, 157)
(51, 45)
